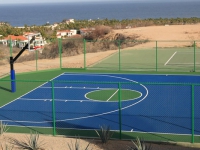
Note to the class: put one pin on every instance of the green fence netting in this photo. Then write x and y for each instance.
(170, 112)
(116, 55)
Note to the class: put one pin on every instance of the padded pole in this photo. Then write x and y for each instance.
(12, 76)
(13, 82)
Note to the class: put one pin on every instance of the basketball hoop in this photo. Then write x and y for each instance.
(38, 48)
(37, 44)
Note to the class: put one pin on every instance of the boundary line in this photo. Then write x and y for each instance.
(170, 58)
(126, 131)
(91, 116)
(112, 95)
(92, 65)
(30, 91)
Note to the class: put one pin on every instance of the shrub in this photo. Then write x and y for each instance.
(6, 147)
(30, 143)
(99, 32)
(104, 133)
(139, 145)
(3, 128)
(76, 145)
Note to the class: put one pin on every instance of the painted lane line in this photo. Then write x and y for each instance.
(170, 58)
(113, 95)
(87, 88)
(30, 91)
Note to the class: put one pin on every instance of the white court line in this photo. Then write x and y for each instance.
(112, 95)
(170, 58)
(103, 59)
(58, 100)
(30, 91)
(104, 113)
(73, 87)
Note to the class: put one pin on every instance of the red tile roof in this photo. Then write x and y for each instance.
(13, 37)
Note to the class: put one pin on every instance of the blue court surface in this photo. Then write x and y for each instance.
(161, 107)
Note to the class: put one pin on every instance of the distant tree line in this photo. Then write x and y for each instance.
(49, 33)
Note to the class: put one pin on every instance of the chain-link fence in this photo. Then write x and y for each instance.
(152, 111)
(126, 55)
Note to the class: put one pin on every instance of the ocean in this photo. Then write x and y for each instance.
(40, 14)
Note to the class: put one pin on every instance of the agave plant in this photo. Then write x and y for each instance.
(104, 133)
(30, 143)
(139, 145)
(76, 145)
(6, 147)
(3, 128)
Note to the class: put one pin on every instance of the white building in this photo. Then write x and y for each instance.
(66, 33)
(38, 42)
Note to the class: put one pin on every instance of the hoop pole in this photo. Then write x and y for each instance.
(12, 71)
(12, 75)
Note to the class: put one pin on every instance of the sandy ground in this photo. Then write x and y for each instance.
(154, 33)
(166, 36)
(48, 142)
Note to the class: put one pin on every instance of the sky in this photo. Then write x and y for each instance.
(56, 1)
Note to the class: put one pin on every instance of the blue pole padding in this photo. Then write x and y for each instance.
(13, 83)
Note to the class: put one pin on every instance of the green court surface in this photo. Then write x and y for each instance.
(111, 95)
(176, 59)
(153, 60)
(25, 83)
(28, 81)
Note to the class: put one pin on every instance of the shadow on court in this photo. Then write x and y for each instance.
(5, 89)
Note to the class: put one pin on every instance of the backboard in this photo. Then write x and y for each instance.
(37, 43)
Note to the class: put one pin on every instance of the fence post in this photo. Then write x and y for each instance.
(10, 47)
(84, 44)
(60, 51)
(194, 56)
(119, 46)
(53, 108)
(120, 113)
(36, 59)
(192, 113)
(156, 56)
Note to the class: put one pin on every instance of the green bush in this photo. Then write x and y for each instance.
(139, 145)
(76, 145)
(30, 143)
(104, 133)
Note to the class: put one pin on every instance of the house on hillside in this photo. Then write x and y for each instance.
(66, 33)
(21, 40)
(18, 41)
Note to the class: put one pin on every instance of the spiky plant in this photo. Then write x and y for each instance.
(3, 128)
(6, 147)
(139, 145)
(104, 133)
(30, 143)
(76, 145)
